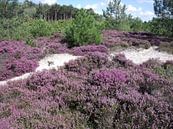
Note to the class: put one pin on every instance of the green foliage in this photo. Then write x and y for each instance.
(116, 18)
(101, 24)
(14, 8)
(146, 27)
(84, 30)
(60, 25)
(8, 8)
(162, 26)
(115, 10)
(136, 24)
(39, 28)
(27, 29)
(165, 70)
(124, 25)
(9, 27)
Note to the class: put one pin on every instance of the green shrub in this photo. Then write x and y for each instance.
(162, 26)
(124, 25)
(24, 29)
(136, 24)
(39, 28)
(9, 27)
(165, 71)
(84, 30)
(60, 25)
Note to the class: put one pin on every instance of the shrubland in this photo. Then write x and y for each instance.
(28, 29)
(161, 26)
(95, 91)
(16, 55)
(91, 92)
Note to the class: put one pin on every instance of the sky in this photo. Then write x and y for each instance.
(138, 8)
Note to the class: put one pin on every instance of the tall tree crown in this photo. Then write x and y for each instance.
(163, 8)
(115, 10)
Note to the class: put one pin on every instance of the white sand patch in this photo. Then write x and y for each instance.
(139, 56)
(53, 61)
(24, 76)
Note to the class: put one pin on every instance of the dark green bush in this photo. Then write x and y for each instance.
(84, 30)
(136, 25)
(162, 26)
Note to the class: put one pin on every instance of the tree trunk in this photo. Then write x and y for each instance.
(55, 15)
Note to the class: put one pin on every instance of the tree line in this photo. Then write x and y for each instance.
(14, 8)
(114, 17)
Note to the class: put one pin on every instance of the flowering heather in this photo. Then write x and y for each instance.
(111, 77)
(88, 63)
(91, 92)
(151, 63)
(52, 45)
(115, 38)
(83, 50)
(121, 60)
(16, 58)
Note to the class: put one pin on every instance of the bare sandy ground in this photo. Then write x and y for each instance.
(139, 56)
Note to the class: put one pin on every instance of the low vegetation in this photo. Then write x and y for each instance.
(95, 91)
(91, 92)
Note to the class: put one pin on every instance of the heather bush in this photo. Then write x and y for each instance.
(111, 77)
(52, 45)
(44, 79)
(83, 50)
(91, 92)
(166, 46)
(95, 91)
(165, 69)
(84, 30)
(121, 61)
(127, 105)
(17, 59)
(113, 38)
(85, 65)
(20, 66)
(113, 97)
(151, 63)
